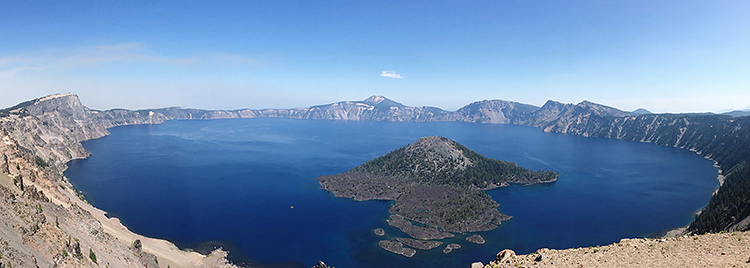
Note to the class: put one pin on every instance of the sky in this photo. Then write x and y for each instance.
(665, 56)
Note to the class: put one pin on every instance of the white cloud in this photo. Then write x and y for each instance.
(390, 74)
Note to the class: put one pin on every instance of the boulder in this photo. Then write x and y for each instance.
(321, 264)
(540, 257)
(505, 255)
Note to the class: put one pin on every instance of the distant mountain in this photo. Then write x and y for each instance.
(738, 113)
(493, 111)
(378, 108)
(558, 117)
(375, 108)
(381, 102)
(640, 111)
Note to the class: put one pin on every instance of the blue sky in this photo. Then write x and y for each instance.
(666, 56)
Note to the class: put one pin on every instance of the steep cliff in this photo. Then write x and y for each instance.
(43, 222)
(554, 115)
(722, 138)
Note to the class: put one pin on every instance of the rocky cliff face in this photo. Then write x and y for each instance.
(493, 111)
(41, 226)
(38, 138)
(51, 129)
(585, 114)
(721, 138)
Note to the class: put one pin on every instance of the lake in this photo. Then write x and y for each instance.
(249, 185)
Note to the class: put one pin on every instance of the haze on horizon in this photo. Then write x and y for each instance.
(665, 56)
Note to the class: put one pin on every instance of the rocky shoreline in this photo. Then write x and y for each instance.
(417, 231)
(476, 239)
(45, 222)
(397, 247)
(420, 244)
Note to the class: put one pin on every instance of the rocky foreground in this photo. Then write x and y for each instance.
(708, 250)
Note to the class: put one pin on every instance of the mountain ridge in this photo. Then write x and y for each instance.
(41, 135)
(703, 133)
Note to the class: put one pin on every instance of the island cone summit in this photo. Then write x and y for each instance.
(441, 161)
(438, 150)
(437, 183)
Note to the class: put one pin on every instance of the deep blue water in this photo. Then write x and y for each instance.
(251, 185)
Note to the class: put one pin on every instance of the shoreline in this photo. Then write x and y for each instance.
(168, 253)
(680, 231)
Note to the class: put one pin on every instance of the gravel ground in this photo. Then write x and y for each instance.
(709, 250)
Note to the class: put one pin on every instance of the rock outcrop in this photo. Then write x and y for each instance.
(419, 244)
(476, 239)
(397, 247)
(450, 247)
(709, 250)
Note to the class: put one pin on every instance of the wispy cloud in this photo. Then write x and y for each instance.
(97, 56)
(120, 75)
(390, 74)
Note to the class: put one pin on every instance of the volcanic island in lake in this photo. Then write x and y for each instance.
(438, 188)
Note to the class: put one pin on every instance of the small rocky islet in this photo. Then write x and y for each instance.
(438, 188)
(476, 239)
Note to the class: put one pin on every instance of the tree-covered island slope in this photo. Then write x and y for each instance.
(436, 183)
